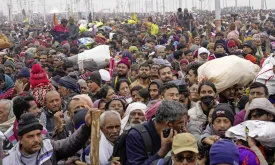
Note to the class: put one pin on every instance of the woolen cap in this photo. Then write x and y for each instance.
(28, 123)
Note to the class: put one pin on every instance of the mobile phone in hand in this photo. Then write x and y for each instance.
(166, 132)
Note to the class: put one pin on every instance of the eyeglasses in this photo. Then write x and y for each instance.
(180, 158)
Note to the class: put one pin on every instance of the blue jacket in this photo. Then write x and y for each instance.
(135, 147)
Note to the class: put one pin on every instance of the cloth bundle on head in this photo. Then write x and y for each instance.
(223, 110)
(79, 117)
(124, 61)
(28, 123)
(38, 76)
(70, 82)
(95, 77)
(219, 42)
(24, 72)
(131, 107)
(224, 152)
(86, 99)
(9, 63)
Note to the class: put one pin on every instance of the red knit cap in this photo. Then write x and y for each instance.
(124, 61)
(38, 76)
(184, 61)
(231, 44)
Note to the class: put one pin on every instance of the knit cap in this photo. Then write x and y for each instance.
(219, 42)
(24, 72)
(28, 123)
(223, 110)
(95, 77)
(38, 75)
(124, 61)
(70, 82)
(29, 55)
(224, 152)
(231, 43)
(9, 63)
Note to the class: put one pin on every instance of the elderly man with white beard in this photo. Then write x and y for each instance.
(134, 115)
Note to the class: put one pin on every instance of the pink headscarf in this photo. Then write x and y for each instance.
(152, 110)
(85, 98)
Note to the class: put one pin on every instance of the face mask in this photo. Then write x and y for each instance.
(207, 100)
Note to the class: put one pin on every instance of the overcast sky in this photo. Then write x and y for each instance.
(136, 5)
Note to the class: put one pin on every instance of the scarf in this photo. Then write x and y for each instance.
(220, 55)
(8, 83)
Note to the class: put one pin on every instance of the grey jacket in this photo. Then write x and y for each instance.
(53, 151)
(73, 31)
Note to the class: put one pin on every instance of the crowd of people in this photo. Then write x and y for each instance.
(154, 109)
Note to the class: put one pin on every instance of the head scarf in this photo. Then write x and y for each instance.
(131, 107)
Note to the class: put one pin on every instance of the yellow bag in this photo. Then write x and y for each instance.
(131, 22)
(4, 42)
(154, 29)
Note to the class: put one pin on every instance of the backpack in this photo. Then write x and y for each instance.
(120, 145)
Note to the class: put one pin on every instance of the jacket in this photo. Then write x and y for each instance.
(73, 31)
(47, 120)
(53, 151)
(60, 33)
(239, 117)
(196, 113)
(135, 147)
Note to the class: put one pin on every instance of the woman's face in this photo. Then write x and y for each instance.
(207, 91)
(124, 89)
(110, 94)
(101, 105)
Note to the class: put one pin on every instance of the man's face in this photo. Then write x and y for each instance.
(161, 52)
(221, 125)
(43, 59)
(232, 49)
(64, 24)
(4, 114)
(144, 72)
(92, 86)
(189, 57)
(204, 56)
(256, 93)
(153, 91)
(180, 124)
(64, 92)
(185, 157)
(53, 101)
(263, 38)
(17, 69)
(75, 104)
(136, 117)
(8, 70)
(154, 69)
(197, 41)
(165, 74)
(247, 50)
(183, 67)
(191, 77)
(122, 70)
(31, 142)
(34, 109)
(111, 127)
(57, 63)
(194, 95)
(84, 89)
(261, 115)
(257, 42)
(117, 106)
(171, 94)
(219, 49)
(229, 93)
(69, 70)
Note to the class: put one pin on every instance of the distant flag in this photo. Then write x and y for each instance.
(55, 22)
